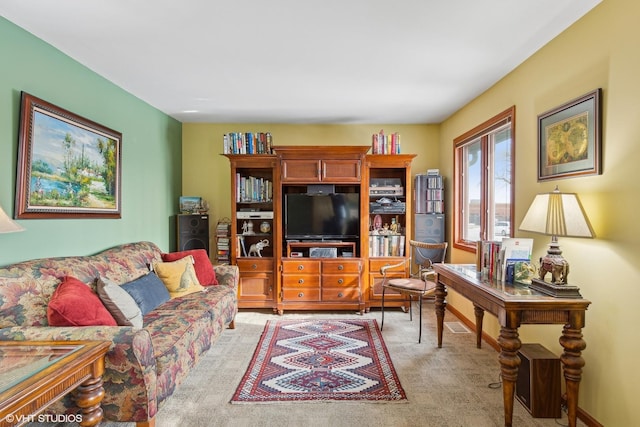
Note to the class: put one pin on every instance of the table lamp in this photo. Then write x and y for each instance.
(556, 214)
(7, 225)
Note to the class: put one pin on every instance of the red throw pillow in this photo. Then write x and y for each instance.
(74, 304)
(204, 270)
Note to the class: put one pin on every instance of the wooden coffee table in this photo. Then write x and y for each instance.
(35, 374)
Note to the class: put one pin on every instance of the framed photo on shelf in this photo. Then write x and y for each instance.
(570, 139)
(190, 205)
(68, 166)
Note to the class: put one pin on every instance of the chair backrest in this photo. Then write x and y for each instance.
(425, 254)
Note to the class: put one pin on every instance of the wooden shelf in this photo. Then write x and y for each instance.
(311, 244)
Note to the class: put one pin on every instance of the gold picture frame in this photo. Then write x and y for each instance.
(569, 139)
(68, 166)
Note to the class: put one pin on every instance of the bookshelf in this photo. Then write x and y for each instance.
(389, 209)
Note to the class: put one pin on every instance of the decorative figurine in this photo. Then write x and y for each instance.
(377, 222)
(394, 226)
(247, 228)
(257, 248)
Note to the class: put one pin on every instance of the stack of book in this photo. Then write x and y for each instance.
(386, 245)
(247, 143)
(222, 239)
(253, 189)
(502, 261)
(385, 144)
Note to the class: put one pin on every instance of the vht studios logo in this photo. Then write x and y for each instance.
(43, 418)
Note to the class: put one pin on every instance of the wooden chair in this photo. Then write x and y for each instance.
(420, 283)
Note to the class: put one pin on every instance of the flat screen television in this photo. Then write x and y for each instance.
(322, 216)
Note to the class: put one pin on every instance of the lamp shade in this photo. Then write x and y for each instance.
(7, 225)
(557, 214)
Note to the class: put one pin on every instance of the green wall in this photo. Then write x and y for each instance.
(151, 152)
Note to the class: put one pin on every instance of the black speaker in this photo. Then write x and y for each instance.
(193, 232)
(321, 189)
(429, 228)
(538, 383)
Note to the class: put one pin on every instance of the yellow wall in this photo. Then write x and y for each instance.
(600, 50)
(206, 172)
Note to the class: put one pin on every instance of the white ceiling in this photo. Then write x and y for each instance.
(295, 61)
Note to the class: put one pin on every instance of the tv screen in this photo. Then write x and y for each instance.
(322, 216)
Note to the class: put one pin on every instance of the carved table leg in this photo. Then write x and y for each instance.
(509, 363)
(479, 315)
(572, 361)
(88, 398)
(440, 305)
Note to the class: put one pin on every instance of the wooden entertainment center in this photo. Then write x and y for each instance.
(289, 259)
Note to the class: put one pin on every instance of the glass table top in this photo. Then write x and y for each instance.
(19, 362)
(470, 273)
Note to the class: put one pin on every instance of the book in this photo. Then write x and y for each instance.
(514, 249)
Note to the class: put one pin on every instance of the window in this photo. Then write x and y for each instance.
(483, 181)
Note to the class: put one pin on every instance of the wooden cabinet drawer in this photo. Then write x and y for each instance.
(312, 170)
(256, 287)
(376, 264)
(301, 266)
(300, 281)
(303, 294)
(340, 280)
(340, 266)
(341, 170)
(251, 265)
(340, 294)
(301, 170)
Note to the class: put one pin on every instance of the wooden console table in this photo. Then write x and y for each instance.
(34, 374)
(514, 305)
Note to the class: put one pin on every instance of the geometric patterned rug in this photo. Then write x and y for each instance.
(320, 360)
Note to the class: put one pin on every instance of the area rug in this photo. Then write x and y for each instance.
(320, 360)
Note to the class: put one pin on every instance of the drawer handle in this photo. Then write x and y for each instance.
(341, 267)
(340, 281)
(340, 294)
(301, 294)
(301, 267)
(254, 266)
(300, 281)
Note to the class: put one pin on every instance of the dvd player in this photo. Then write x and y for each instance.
(254, 214)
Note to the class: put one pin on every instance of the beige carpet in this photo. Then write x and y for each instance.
(447, 387)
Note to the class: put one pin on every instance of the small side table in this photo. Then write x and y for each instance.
(35, 374)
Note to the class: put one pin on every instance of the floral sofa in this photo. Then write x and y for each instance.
(143, 365)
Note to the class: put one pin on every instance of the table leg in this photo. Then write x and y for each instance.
(440, 305)
(479, 312)
(509, 363)
(572, 361)
(88, 398)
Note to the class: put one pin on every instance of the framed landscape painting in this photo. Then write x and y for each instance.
(68, 166)
(569, 139)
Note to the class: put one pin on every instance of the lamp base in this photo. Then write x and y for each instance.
(555, 290)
